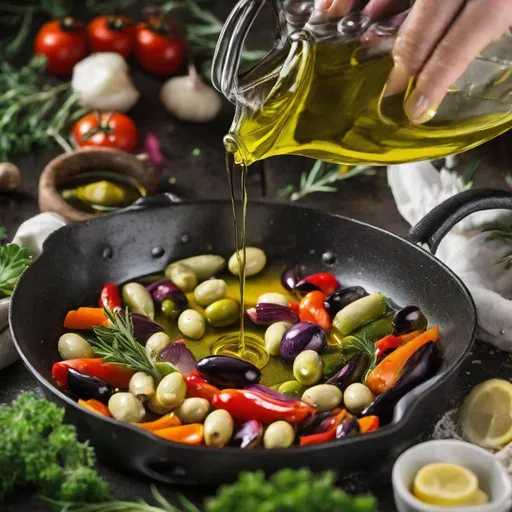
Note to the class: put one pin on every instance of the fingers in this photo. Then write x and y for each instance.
(335, 7)
(480, 22)
(379, 9)
(424, 27)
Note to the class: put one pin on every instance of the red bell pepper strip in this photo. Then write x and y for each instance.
(95, 406)
(115, 375)
(312, 309)
(323, 281)
(245, 405)
(110, 297)
(293, 304)
(199, 387)
(331, 424)
(85, 318)
(368, 424)
(186, 434)
(167, 421)
(392, 342)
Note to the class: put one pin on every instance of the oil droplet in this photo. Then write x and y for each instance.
(329, 258)
(157, 252)
(107, 253)
(254, 350)
(185, 238)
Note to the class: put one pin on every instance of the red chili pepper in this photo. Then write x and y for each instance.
(245, 405)
(293, 304)
(95, 406)
(110, 297)
(199, 387)
(115, 375)
(324, 281)
(312, 309)
(331, 424)
(392, 342)
(368, 424)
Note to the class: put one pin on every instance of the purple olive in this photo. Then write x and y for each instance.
(166, 289)
(300, 337)
(351, 372)
(290, 277)
(249, 435)
(86, 386)
(341, 298)
(409, 319)
(228, 372)
(348, 427)
(313, 424)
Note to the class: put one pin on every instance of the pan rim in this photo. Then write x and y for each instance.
(386, 431)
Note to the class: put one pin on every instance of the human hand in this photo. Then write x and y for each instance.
(436, 43)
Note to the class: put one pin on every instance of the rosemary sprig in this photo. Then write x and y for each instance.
(501, 232)
(117, 344)
(321, 178)
(366, 346)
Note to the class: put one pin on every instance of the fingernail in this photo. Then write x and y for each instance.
(323, 5)
(398, 80)
(418, 108)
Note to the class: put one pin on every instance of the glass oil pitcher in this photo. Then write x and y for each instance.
(319, 92)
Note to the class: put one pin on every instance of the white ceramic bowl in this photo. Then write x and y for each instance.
(492, 476)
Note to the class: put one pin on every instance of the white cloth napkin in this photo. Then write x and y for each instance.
(31, 234)
(417, 188)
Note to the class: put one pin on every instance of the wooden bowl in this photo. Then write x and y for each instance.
(68, 165)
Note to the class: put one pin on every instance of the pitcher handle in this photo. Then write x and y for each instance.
(231, 41)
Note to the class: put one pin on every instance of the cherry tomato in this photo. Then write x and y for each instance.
(112, 34)
(110, 130)
(63, 43)
(159, 47)
(312, 309)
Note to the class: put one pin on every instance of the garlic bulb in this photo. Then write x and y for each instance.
(102, 82)
(190, 99)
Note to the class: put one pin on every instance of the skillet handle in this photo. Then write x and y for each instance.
(435, 225)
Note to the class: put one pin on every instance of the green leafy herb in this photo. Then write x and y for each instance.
(13, 261)
(364, 345)
(3, 234)
(37, 450)
(32, 115)
(117, 344)
(501, 232)
(321, 178)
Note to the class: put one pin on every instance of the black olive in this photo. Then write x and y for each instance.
(86, 386)
(341, 298)
(228, 372)
(290, 277)
(409, 319)
(348, 427)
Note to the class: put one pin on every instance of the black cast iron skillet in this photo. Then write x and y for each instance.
(78, 259)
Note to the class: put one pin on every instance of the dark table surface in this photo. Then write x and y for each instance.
(195, 169)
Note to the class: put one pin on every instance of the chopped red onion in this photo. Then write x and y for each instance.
(179, 356)
(152, 145)
(270, 393)
(266, 313)
(143, 327)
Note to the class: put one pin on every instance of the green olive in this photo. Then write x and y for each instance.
(193, 410)
(142, 386)
(210, 291)
(170, 309)
(171, 390)
(357, 397)
(126, 407)
(183, 277)
(138, 299)
(255, 261)
(73, 346)
(308, 367)
(156, 343)
(191, 324)
(218, 428)
(273, 298)
(359, 313)
(204, 265)
(222, 313)
(322, 397)
(104, 193)
(279, 434)
(273, 336)
(291, 388)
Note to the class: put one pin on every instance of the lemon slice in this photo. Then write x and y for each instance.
(478, 499)
(486, 414)
(445, 484)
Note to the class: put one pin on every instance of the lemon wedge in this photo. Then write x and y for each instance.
(486, 414)
(478, 499)
(445, 484)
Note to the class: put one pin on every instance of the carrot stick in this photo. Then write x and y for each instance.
(187, 434)
(387, 372)
(85, 318)
(95, 406)
(169, 420)
(368, 424)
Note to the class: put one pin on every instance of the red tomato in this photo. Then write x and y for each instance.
(112, 130)
(112, 34)
(64, 43)
(159, 47)
(312, 309)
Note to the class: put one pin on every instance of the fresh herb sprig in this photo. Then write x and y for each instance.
(13, 262)
(116, 344)
(501, 232)
(364, 345)
(321, 178)
(3, 234)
